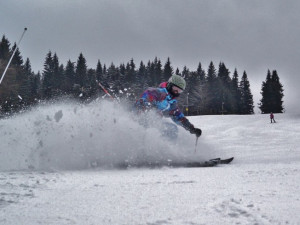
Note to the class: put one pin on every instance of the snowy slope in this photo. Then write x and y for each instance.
(59, 165)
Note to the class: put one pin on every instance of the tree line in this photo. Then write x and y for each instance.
(214, 91)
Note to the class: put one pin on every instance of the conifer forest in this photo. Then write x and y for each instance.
(212, 90)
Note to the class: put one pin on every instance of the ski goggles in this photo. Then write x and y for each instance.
(177, 89)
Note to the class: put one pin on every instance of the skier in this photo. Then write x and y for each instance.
(272, 117)
(163, 100)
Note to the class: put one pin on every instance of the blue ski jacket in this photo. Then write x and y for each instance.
(161, 100)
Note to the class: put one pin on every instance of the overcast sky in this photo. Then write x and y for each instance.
(250, 35)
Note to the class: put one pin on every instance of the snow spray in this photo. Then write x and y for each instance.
(70, 136)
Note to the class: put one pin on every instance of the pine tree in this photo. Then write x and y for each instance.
(130, 73)
(277, 94)
(193, 93)
(104, 70)
(168, 70)
(246, 95)
(142, 71)
(141, 80)
(201, 73)
(122, 74)
(17, 64)
(27, 89)
(105, 77)
(122, 68)
(211, 88)
(17, 60)
(4, 49)
(114, 81)
(265, 102)
(12, 86)
(158, 74)
(224, 98)
(93, 87)
(62, 75)
(272, 94)
(33, 84)
(81, 78)
(200, 91)
(99, 72)
(185, 97)
(150, 74)
(47, 85)
(57, 77)
(132, 85)
(36, 86)
(185, 72)
(236, 93)
(69, 78)
(129, 80)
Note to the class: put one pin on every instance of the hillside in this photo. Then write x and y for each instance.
(52, 163)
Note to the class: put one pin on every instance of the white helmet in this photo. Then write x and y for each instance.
(177, 81)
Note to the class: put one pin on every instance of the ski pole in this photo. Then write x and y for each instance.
(196, 144)
(25, 29)
(106, 92)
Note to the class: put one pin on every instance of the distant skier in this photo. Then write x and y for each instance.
(163, 100)
(272, 117)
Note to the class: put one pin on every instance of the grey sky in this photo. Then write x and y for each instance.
(251, 35)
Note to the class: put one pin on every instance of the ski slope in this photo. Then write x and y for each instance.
(59, 165)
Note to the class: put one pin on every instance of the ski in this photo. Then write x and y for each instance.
(222, 161)
(209, 163)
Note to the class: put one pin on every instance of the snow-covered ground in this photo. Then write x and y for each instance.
(59, 165)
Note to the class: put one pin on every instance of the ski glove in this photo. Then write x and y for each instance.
(196, 131)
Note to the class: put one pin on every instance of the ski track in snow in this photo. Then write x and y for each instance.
(53, 171)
